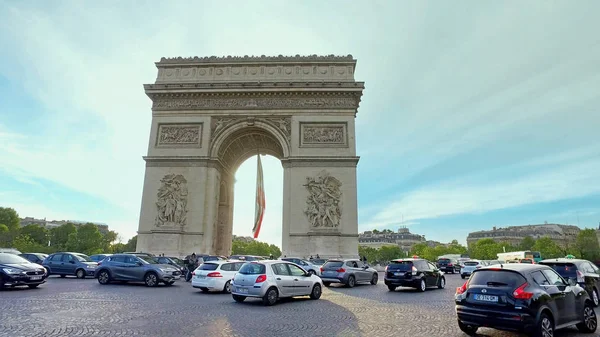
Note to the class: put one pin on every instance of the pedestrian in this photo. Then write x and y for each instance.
(311, 257)
(270, 256)
(191, 266)
(318, 256)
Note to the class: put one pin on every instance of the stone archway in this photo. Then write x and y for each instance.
(211, 114)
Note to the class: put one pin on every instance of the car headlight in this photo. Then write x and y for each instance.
(91, 267)
(166, 270)
(13, 271)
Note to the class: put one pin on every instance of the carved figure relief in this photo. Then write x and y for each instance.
(323, 204)
(323, 134)
(179, 134)
(172, 201)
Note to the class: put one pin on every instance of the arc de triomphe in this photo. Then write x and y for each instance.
(210, 114)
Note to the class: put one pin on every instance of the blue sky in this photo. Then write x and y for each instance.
(475, 114)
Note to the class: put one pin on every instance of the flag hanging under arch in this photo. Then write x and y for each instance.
(260, 199)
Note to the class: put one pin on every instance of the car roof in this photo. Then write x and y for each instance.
(224, 261)
(563, 260)
(408, 259)
(518, 267)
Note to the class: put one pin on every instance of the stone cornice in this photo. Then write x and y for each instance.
(253, 59)
(253, 85)
(320, 162)
(202, 161)
(320, 100)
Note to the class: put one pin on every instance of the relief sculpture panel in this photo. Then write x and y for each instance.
(323, 135)
(323, 204)
(179, 135)
(172, 201)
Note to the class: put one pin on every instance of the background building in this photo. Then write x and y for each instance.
(402, 238)
(102, 227)
(563, 235)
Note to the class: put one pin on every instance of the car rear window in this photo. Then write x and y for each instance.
(252, 269)
(400, 265)
(333, 264)
(208, 266)
(444, 260)
(471, 263)
(566, 270)
(485, 277)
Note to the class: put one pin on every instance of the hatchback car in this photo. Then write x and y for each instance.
(274, 279)
(215, 275)
(16, 271)
(348, 272)
(65, 263)
(528, 298)
(136, 268)
(448, 265)
(469, 266)
(306, 265)
(415, 273)
(585, 273)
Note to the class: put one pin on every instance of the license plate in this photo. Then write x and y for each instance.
(397, 274)
(242, 290)
(200, 276)
(485, 298)
(35, 278)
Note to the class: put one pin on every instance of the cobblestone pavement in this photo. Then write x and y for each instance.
(72, 307)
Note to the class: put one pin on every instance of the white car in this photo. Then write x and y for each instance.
(215, 275)
(469, 267)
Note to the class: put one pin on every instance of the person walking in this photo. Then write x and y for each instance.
(192, 261)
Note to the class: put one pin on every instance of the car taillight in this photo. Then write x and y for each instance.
(449, 264)
(462, 289)
(261, 278)
(321, 269)
(193, 273)
(341, 270)
(386, 268)
(521, 294)
(580, 277)
(214, 274)
(414, 270)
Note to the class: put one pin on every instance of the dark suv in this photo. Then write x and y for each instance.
(448, 265)
(414, 273)
(585, 273)
(528, 298)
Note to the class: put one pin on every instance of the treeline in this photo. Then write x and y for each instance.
(82, 238)
(241, 247)
(586, 246)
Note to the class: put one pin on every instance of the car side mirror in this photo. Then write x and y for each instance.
(365, 266)
(572, 282)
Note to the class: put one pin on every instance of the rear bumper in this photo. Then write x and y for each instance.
(448, 269)
(501, 320)
(248, 291)
(211, 283)
(403, 282)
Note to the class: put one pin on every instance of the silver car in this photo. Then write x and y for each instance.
(306, 265)
(469, 267)
(348, 272)
(136, 268)
(274, 279)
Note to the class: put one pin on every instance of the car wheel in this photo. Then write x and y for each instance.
(1, 282)
(462, 277)
(374, 279)
(80, 273)
(151, 280)
(32, 286)
(327, 284)
(442, 283)
(595, 298)
(590, 321)
(169, 283)
(315, 294)
(239, 298)
(103, 277)
(545, 327)
(351, 281)
(422, 286)
(391, 287)
(227, 288)
(468, 329)
(270, 297)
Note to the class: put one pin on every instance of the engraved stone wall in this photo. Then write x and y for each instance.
(175, 135)
(323, 135)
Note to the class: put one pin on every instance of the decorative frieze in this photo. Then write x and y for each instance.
(323, 135)
(323, 204)
(178, 135)
(282, 123)
(249, 102)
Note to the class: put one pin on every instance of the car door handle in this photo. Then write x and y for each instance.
(295, 279)
(278, 279)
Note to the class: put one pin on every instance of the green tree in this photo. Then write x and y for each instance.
(548, 248)
(527, 243)
(131, 245)
(486, 249)
(4, 235)
(108, 238)
(89, 239)
(372, 254)
(24, 243)
(37, 233)
(10, 218)
(388, 253)
(59, 236)
(587, 244)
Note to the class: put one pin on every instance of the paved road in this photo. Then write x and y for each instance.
(72, 307)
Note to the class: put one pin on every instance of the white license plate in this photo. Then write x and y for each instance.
(485, 298)
(35, 278)
(242, 290)
(397, 274)
(200, 276)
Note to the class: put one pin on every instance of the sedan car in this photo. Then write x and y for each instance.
(585, 273)
(270, 280)
(16, 271)
(348, 272)
(215, 275)
(528, 298)
(136, 268)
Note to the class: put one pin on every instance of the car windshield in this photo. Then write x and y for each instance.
(566, 270)
(252, 269)
(401, 265)
(82, 258)
(485, 277)
(147, 259)
(6, 258)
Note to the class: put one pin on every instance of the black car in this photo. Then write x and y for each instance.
(585, 273)
(16, 271)
(414, 273)
(34, 257)
(530, 298)
(173, 261)
(448, 265)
